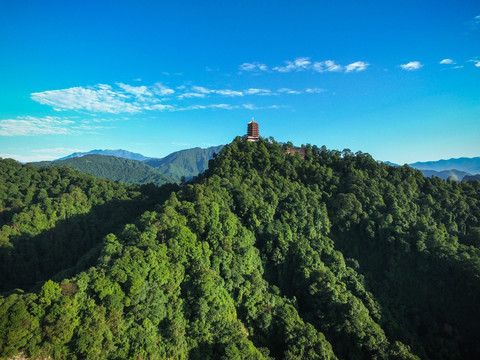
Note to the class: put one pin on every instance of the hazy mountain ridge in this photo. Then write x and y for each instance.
(462, 168)
(468, 165)
(118, 153)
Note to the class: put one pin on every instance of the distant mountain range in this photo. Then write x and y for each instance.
(133, 168)
(468, 165)
(117, 153)
(462, 168)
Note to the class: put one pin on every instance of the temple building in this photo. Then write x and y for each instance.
(295, 150)
(252, 131)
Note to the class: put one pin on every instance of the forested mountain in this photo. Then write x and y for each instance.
(185, 163)
(117, 153)
(53, 219)
(113, 168)
(266, 255)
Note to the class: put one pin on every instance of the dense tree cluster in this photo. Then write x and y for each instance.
(52, 219)
(266, 255)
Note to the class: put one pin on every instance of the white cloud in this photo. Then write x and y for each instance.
(315, 91)
(58, 150)
(306, 64)
(356, 66)
(135, 90)
(191, 95)
(230, 93)
(299, 64)
(29, 126)
(289, 91)
(159, 89)
(99, 98)
(327, 66)
(260, 92)
(447, 62)
(476, 62)
(201, 89)
(475, 23)
(105, 98)
(411, 66)
(255, 66)
(160, 107)
(228, 107)
(27, 158)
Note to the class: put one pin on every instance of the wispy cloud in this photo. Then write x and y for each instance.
(327, 66)
(135, 90)
(29, 125)
(476, 62)
(411, 66)
(99, 98)
(260, 92)
(223, 106)
(447, 62)
(57, 150)
(289, 91)
(306, 64)
(356, 66)
(299, 64)
(475, 23)
(315, 91)
(123, 98)
(255, 66)
(202, 92)
(27, 158)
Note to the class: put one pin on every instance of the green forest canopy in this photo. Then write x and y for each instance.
(266, 255)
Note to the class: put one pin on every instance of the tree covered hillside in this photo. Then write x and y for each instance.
(269, 255)
(53, 219)
(113, 168)
(185, 164)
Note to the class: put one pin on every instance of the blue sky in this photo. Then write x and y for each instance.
(399, 80)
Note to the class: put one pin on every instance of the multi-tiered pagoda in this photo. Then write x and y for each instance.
(252, 131)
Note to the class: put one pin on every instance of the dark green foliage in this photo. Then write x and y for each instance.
(184, 164)
(266, 255)
(52, 219)
(113, 168)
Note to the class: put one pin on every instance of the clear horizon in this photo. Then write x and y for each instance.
(400, 81)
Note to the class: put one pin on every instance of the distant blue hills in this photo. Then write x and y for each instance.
(117, 153)
(461, 168)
